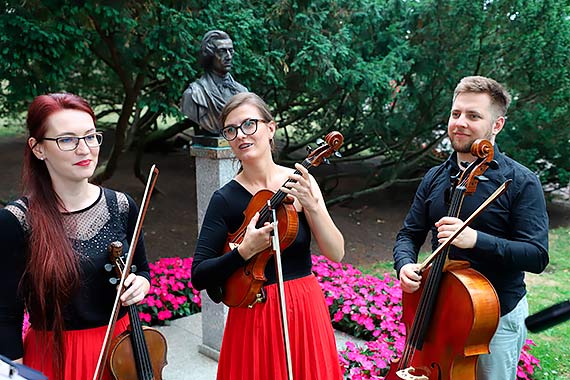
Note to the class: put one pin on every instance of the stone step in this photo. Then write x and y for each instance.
(184, 336)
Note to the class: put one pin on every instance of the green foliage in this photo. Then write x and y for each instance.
(381, 72)
(545, 290)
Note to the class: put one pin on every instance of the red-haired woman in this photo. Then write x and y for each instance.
(54, 242)
(252, 347)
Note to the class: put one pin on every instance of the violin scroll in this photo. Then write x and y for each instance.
(331, 145)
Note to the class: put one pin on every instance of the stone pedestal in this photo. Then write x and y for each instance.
(215, 166)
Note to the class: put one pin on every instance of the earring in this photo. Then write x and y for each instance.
(42, 158)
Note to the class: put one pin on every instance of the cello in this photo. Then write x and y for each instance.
(138, 353)
(451, 319)
(244, 287)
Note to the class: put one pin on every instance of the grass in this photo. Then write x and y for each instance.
(546, 289)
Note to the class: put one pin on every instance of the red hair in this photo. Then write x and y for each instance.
(52, 272)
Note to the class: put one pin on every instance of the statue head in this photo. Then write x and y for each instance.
(216, 52)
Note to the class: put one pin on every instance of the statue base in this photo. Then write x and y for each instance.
(210, 141)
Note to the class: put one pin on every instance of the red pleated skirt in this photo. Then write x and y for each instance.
(253, 348)
(82, 350)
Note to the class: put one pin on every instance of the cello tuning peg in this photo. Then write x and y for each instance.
(309, 149)
(114, 280)
(465, 163)
(481, 178)
(326, 161)
(337, 154)
(320, 141)
(493, 164)
(109, 267)
(133, 268)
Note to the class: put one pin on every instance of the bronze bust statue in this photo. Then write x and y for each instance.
(204, 98)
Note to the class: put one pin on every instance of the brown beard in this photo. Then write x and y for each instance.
(466, 148)
(462, 148)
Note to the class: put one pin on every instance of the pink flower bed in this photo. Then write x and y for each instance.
(364, 306)
(171, 293)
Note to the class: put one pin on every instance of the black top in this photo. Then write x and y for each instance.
(212, 266)
(111, 217)
(512, 233)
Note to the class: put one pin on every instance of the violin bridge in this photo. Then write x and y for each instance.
(233, 245)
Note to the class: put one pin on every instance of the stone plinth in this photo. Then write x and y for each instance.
(215, 166)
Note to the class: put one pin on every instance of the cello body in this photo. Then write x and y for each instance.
(465, 319)
(452, 317)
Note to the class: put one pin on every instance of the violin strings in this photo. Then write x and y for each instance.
(275, 200)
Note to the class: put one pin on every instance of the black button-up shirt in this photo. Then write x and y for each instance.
(512, 233)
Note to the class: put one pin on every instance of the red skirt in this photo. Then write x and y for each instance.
(82, 350)
(253, 348)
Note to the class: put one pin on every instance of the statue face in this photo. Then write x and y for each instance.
(222, 60)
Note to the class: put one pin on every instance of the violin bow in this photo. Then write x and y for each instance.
(153, 175)
(467, 222)
(281, 287)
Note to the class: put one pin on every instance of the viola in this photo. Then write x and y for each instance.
(104, 353)
(138, 353)
(244, 287)
(451, 319)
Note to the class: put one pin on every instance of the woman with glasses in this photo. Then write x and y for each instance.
(54, 243)
(252, 347)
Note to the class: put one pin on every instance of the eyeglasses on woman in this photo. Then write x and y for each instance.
(67, 143)
(248, 127)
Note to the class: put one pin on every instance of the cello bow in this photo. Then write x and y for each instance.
(500, 190)
(152, 177)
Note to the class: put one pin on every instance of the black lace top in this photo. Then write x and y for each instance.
(111, 217)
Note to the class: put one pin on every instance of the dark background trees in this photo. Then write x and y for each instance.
(381, 72)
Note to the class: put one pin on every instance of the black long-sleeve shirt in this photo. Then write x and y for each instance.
(112, 217)
(212, 266)
(512, 233)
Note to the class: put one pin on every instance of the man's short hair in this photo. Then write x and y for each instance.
(500, 97)
(208, 48)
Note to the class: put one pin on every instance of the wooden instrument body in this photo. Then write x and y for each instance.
(244, 285)
(465, 319)
(122, 363)
(139, 352)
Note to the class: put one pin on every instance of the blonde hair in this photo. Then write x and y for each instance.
(500, 97)
(243, 98)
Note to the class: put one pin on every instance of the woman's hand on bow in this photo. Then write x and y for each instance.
(136, 289)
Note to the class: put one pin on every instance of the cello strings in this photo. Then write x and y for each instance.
(427, 299)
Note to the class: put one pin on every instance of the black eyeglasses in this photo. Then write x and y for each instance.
(248, 127)
(67, 143)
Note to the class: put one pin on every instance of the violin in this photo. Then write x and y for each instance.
(451, 319)
(138, 353)
(244, 287)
